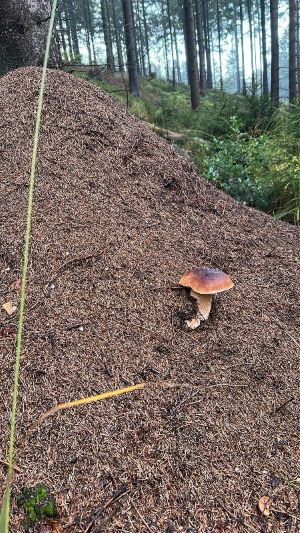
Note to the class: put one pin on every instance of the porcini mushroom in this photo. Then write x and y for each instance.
(204, 282)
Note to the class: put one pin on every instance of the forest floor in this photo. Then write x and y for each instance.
(119, 216)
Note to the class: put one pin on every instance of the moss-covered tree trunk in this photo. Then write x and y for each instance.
(23, 33)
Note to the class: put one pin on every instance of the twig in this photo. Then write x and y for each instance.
(16, 468)
(141, 517)
(117, 496)
(284, 404)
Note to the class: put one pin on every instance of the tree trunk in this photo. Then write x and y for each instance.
(130, 47)
(141, 40)
(87, 33)
(206, 28)
(146, 37)
(107, 36)
(177, 56)
(274, 52)
(199, 25)
(298, 47)
(292, 50)
(219, 44)
(73, 27)
(264, 48)
(237, 57)
(117, 30)
(91, 28)
(62, 39)
(165, 38)
(244, 89)
(23, 33)
(192, 53)
(172, 43)
(68, 29)
(249, 7)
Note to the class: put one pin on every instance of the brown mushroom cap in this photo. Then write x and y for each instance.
(204, 280)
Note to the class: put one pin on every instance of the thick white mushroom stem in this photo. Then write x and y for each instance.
(204, 302)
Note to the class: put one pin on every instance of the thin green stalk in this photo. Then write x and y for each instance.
(5, 510)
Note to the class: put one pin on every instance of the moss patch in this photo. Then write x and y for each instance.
(37, 503)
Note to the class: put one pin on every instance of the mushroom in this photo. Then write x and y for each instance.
(204, 282)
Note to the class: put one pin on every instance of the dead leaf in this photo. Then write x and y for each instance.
(55, 525)
(16, 285)
(51, 526)
(264, 505)
(9, 307)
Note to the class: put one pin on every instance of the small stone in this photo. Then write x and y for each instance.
(275, 482)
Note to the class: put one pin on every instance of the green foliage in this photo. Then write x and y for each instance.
(237, 141)
(37, 504)
(262, 171)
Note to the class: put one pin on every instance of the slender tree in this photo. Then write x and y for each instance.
(237, 56)
(132, 63)
(199, 25)
(207, 42)
(264, 48)
(107, 36)
(73, 27)
(191, 53)
(250, 14)
(177, 55)
(293, 50)
(118, 37)
(274, 52)
(90, 26)
(219, 44)
(62, 39)
(171, 41)
(146, 36)
(244, 89)
(141, 40)
(298, 47)
(68, 29)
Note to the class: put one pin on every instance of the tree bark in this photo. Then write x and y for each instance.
(177, 56)
(23, 33)
(264, 48)
(199, 24)
(293, 50)
(206, 28)
(68, 29)
(73, 28)
(298, 47)
(244, 89)
(165, 38)
(219, 44)
(172, 43)
(141, 39)
(146, 36)
(130, 47)
(62, 39)
(192, 53)
(274, 52)
(117, 30)
(91, 28)
(249, 8)
(237, 56)
(107, 36)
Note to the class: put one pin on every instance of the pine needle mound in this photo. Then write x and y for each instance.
(118, 218)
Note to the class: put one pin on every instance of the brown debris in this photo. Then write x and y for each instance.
(110, 191)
